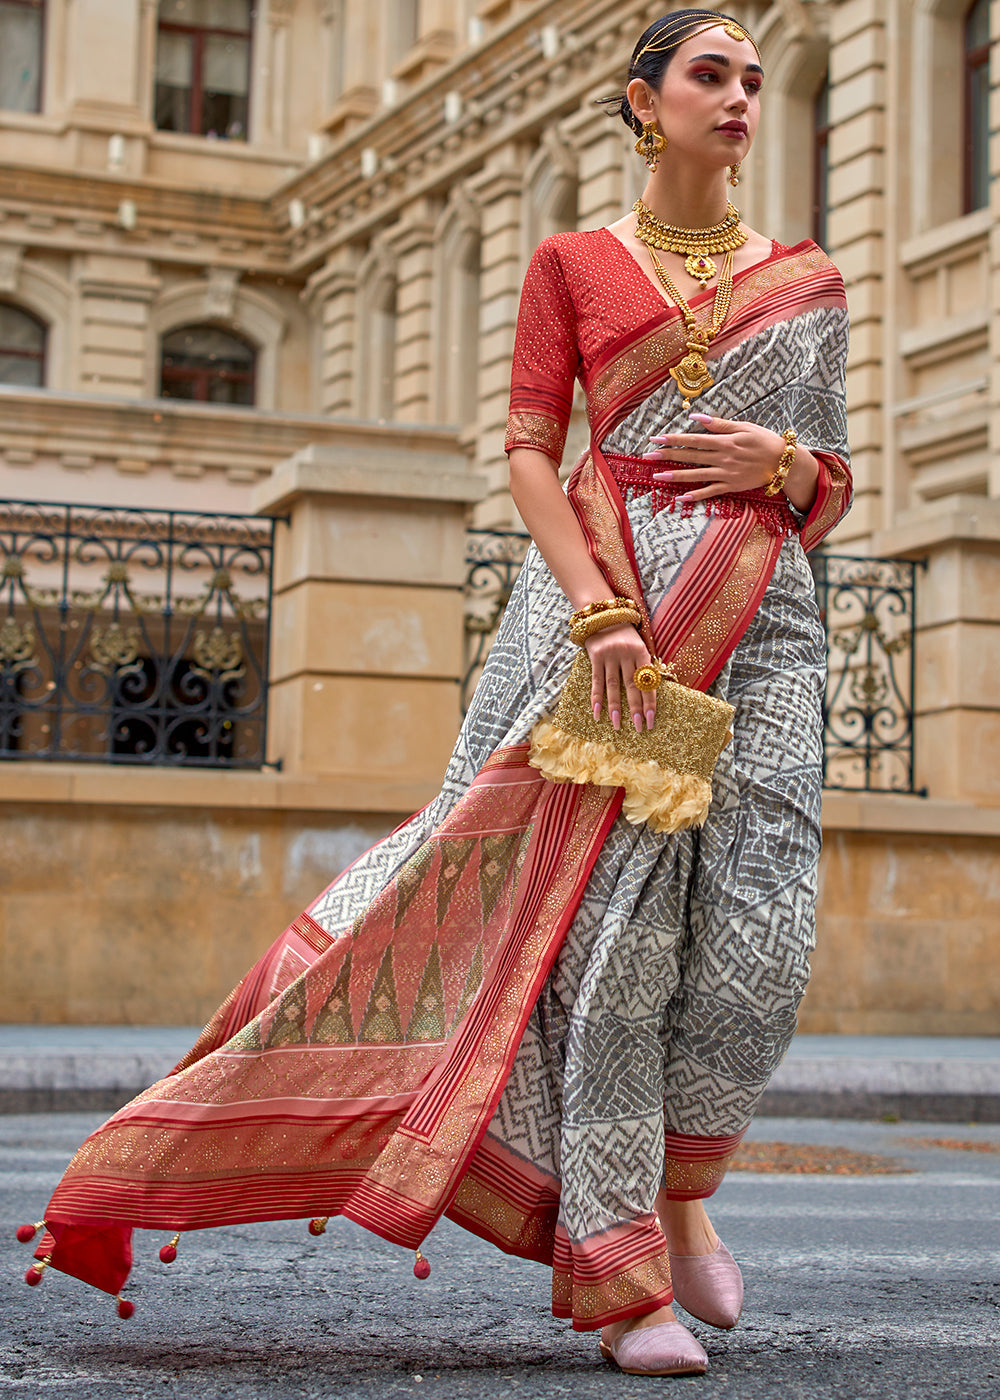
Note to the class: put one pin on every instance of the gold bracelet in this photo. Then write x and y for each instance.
(606, 605)
(784, 463)
(598, 622)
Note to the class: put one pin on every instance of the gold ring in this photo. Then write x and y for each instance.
(646, 678)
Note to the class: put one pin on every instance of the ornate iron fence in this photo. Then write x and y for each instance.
(493, 561)
(133, 636)
(868, 609)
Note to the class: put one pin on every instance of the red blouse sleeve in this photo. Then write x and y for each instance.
(546, 358)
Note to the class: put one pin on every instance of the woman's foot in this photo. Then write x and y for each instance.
(655, 1344)
(706, 1278)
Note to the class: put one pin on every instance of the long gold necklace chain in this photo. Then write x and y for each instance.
(696, 243)
(691, 374)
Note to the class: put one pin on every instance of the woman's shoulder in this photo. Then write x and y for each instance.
(574, 248)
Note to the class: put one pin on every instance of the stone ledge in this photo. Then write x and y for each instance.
(874, 811)
(97, 785)
(432, 474)
(949, 520)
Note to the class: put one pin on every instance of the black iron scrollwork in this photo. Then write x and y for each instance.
(133, 636)
(868, 607)
(493, 561)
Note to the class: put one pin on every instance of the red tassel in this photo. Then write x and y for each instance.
(168, 1252)
(125, 1308)
(318, 1226)
(26, 1233)
(33, 1273)
(421, 1268)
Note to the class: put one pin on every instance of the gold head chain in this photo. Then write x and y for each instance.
(666, 37)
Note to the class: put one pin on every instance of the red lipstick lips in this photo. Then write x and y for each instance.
(733, 128)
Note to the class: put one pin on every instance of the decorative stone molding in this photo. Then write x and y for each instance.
(11, 258)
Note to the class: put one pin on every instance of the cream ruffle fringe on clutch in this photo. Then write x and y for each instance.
(666, 771)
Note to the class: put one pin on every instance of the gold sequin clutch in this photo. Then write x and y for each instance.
(666, 771)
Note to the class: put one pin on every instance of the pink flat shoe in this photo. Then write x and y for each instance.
(709, 1286)
(668, 1349)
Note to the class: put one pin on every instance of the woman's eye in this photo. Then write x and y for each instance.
(752, 86)
(707, 76)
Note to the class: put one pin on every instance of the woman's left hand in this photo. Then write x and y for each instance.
(726, 457)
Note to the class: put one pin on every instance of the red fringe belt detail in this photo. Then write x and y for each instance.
(634, 474)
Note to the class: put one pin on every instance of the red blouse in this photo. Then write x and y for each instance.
(582, 291)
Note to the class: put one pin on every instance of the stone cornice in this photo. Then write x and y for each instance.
(505, 90)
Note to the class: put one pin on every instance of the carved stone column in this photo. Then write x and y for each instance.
(330, 294)
(414, 244)
(497, 190)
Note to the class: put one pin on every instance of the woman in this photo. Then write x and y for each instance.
(521, 1009)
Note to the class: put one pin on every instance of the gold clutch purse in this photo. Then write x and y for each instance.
(666, 771)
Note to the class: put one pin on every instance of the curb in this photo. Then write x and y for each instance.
(949, 1089)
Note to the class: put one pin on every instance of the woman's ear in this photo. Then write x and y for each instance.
(639, 99)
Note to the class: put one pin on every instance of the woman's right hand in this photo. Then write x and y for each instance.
(615, 654)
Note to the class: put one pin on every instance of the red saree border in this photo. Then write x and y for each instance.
(632, 366)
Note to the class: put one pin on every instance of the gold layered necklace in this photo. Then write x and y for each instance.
(691, 374)
(695, 243)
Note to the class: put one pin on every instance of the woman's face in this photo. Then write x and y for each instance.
(708, 105)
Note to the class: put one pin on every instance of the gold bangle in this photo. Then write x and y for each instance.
(598, 622)
(784, 463)
(606, 605)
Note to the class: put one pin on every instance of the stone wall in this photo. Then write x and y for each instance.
(142, 898)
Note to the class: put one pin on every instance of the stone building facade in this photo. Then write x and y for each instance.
(266, 258)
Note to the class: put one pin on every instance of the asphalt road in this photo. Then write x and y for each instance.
(857, 1286)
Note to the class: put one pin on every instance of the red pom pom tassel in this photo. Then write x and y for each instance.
(125, 1308)
(318, 1226)
(33, 1273)
(168, 1252)
(421, 1268)
(26, 1233)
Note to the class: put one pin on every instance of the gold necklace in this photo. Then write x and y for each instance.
(691, 374)
(697, 243)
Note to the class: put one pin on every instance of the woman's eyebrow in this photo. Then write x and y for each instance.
(724, 61)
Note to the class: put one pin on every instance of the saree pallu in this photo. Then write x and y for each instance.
(514, 1009)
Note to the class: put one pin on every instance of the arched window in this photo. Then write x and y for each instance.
(977, 104)
(207, 365)
(22, 25)
(821, 161)
(203, 67)
(22, 348)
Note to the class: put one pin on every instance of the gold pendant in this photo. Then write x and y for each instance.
(691, 375)
(700, 267)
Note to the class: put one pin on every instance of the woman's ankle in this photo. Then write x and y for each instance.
(686, 1226)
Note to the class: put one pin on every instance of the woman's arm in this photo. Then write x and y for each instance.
(614, 653)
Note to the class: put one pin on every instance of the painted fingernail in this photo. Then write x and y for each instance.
(651, 457)
(616, 719)
(637, 721)
(663, 476)
(702, 417)
(650, 718)
(597, 712)
(685, 497)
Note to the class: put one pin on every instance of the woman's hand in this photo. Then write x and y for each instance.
(733, 456)
(615, 654)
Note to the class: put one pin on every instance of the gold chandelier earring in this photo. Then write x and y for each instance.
(651, 144)
(734, 174)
